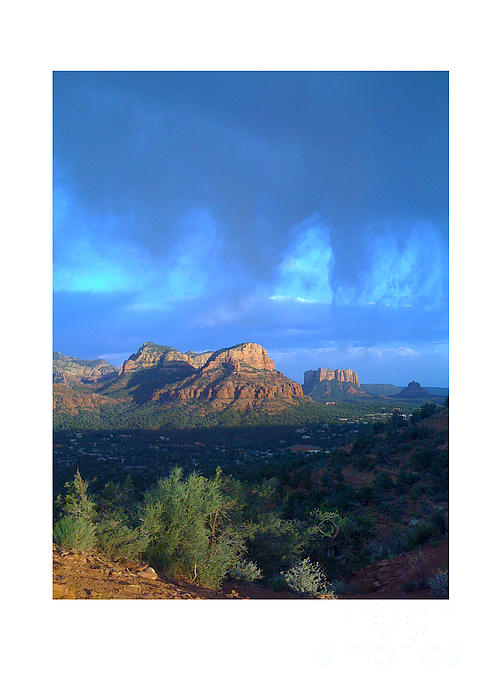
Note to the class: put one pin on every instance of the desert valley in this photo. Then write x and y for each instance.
(212, 474)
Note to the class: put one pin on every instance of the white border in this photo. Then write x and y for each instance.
(121, 649)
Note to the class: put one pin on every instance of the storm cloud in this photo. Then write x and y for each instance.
(305, 211)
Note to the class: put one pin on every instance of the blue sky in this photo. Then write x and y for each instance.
(307, 212)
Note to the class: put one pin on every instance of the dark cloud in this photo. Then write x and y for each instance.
(184, 201)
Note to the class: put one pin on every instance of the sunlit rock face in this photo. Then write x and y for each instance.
(324, 384)
(151, 355)
(245, 354)
(337, 375)
(242, 377)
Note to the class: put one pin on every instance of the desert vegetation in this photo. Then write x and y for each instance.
(305, 525)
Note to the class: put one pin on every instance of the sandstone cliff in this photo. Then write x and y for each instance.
(242, 377)
(324, 384)
(72, 371)
(337, 375)
(151, 356)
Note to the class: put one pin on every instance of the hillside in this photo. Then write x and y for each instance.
(381, 389)
(81, 575)
(72, 371)
(369, 503)
(392, 390)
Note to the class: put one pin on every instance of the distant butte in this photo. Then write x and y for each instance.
(324, 384)
(413, 391)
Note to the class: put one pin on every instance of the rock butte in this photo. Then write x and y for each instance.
(413, 390)
(337, 375)
(241, 377)
(324, 383)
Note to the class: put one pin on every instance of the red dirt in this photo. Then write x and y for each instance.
(386, 578)
(78, 575)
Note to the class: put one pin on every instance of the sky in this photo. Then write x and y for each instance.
(304, 211)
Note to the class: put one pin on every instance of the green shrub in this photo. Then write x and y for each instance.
(77, 502)
(274, 543)
(118, 541)
(306, 577)
(246, 571)
(277, 583)
(337, 588)
(75, 533)
(185, 526)
(422, 533)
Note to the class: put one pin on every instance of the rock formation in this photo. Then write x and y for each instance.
(312, 376)
(151, 355)
(413, 391)
(324, 384)
(73, 372)
(242, 377)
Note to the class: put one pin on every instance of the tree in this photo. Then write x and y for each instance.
(77, 503)
(185, 522)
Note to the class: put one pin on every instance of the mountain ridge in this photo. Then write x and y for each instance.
(242, 378)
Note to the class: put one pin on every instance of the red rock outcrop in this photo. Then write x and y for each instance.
(325, 384)
(243, 377)
(71, 371)
(337, 375)
(151, 355)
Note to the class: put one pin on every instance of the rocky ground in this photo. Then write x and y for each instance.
(78, 575)
(390, 578)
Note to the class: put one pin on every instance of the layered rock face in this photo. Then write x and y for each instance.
(336, 375)
(324, 384)
(242, 377)
(151, 355)
(245, 354)
(413, 391)
(71, 371)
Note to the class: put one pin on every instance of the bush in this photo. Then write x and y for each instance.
(277, 583)
(419, 534)
(75, 533)
(77, 502)
(246, 571)
(184, 523)
(439, 584)
(274, 543)
(118, 541)
(338, 588)
(306, 577)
